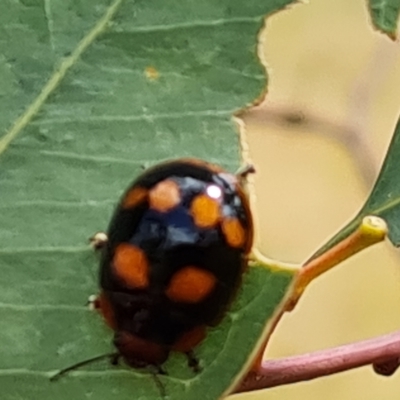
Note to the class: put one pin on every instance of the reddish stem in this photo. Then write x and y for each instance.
(380, 350)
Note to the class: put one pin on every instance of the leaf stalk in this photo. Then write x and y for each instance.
(372, 230)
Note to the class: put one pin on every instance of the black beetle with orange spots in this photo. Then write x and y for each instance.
(177, 248)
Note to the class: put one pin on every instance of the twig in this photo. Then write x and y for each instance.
(354, 129)
(322, 363)
(345, 132)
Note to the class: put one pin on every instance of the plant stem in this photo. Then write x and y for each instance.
(372, 230)
(309, 366)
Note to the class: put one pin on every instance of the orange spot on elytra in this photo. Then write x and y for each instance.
(191, 285)
(151, 73)
(164, 196)
(234, 232)
(205, 211)
(134, 197)
(131, 265)
(190, 339)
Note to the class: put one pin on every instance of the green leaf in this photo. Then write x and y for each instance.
(385, 14)
(384, 200)
(55, 329)
(90, 93)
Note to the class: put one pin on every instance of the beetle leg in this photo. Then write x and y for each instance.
(115, 358)
(193, 361)
(93, 302)
(156, 371)
(98, 240)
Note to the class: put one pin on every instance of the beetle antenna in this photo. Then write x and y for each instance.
(155, 372)
(112, 356)
(242, 172)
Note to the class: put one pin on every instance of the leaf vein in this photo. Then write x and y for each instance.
(49, 249)
(190, 24)
(132, 118)
(50, 25)
(86, 157)
(29, 307)
(57, 203)
(54, 81)
(385, 207)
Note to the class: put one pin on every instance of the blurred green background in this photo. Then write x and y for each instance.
(329, 66)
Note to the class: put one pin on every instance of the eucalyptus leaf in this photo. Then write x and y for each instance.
(92, 92)
(385, 14)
